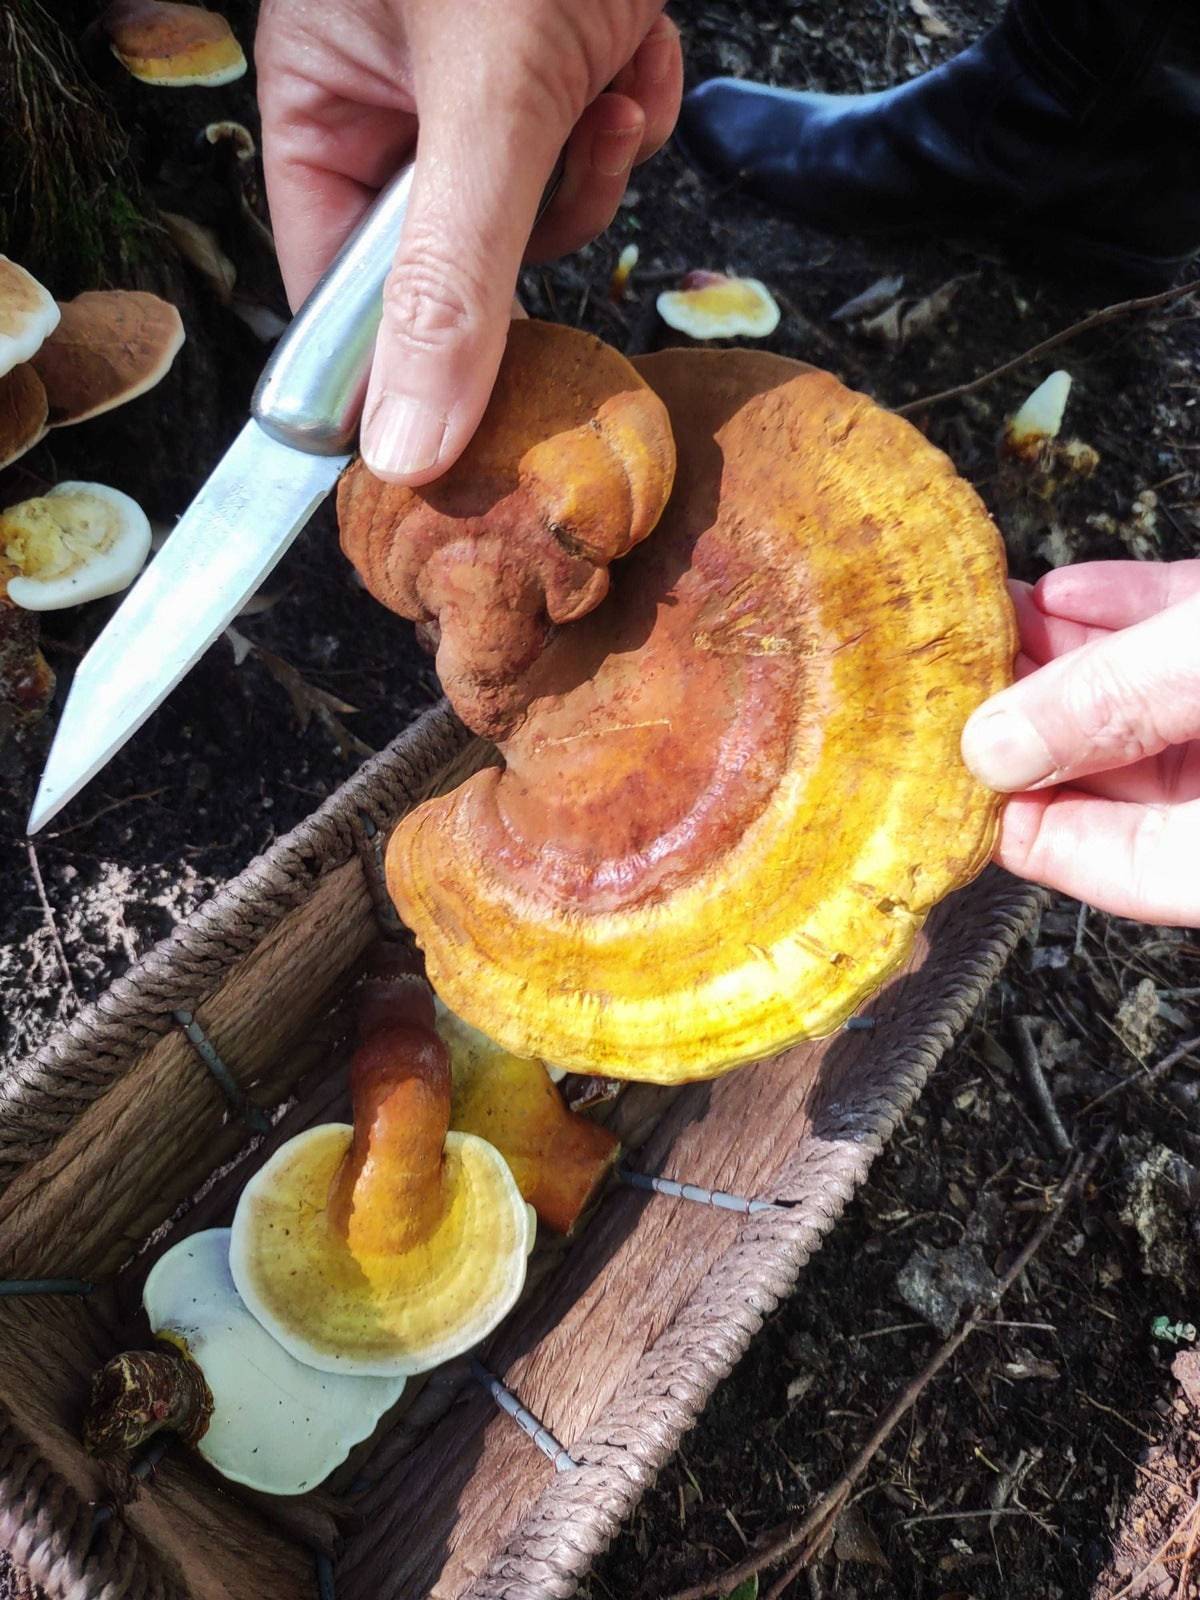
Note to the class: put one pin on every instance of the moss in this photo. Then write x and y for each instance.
(70, 204)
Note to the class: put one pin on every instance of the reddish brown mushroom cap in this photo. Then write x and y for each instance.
(738, 789)
(173, 45)
(23, 412)
(110, 346)
(569, 470)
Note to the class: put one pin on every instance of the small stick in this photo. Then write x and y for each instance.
(1035, 1082)
(1147, 1075)
(1149, 302)
(48, 912)
(809, 1532)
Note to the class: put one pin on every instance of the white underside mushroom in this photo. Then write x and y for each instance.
(77, 542)
(276, 1424)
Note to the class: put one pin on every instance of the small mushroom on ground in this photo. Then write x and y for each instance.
(391, 1246)
(568, 471)
(1039, 418)
(221, 1382)
(28, 314)
(77, 542)
(738, 790)
(23, 412)
(712, 305)
(172, 45)
(110, 346)
(558, 1158)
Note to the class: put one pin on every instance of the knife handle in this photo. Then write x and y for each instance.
(311, 392)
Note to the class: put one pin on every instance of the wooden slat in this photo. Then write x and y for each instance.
(146, 1145)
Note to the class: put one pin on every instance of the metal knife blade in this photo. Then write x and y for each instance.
(260, 496)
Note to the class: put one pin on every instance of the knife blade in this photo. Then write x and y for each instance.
(304, 418)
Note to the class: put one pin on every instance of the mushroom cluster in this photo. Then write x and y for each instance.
(358, 1255)
(61, 363)
(732, 792)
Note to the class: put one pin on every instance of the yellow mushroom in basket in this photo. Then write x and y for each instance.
(390, 1246)
(736, 790)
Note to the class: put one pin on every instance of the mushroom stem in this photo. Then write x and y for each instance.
(141, 1393)
(387, 1194)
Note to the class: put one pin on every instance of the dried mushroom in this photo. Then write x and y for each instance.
(737, 790)
(393, 1245)
(569, 470)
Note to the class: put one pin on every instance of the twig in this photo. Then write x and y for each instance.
(1147, 1075)
(1149, 302)
(810, 1531)
(1035, 1082)
(48, 913)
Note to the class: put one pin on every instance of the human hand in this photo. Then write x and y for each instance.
(1100, 738)
(498, 88)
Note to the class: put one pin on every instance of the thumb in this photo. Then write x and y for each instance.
(1105, 705)
(448, 297)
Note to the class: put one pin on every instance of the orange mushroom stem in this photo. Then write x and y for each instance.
(386, 1195)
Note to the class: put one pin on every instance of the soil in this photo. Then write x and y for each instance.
(1058, 1453)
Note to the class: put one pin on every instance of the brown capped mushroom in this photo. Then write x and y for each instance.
(28, 314)
(172, 45)
(737, 790)
(110, 346)
(23, 412)
(568, 471)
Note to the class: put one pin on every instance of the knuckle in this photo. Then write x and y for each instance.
(1111, 714)
(429, 302)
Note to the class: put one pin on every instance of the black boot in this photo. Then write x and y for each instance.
(1073, 125)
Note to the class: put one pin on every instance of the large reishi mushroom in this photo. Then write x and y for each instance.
(23, 412)
(391, 1246)
(737, 790)
(77, 542)
(28, 314)
(568, 471)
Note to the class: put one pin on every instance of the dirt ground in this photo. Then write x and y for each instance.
(1058, 1453)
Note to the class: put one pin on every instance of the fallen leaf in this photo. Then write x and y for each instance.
(854, 1539)
(925, 314)
(931, 24)
(883, 292)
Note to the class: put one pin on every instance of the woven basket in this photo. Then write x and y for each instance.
(116, 1138)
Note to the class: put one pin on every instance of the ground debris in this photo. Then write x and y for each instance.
(939, 1284)
(1160, 1203)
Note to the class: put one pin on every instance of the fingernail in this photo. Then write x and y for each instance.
(1004, 750)
(655, 60)
(402, 435)
(613, 153)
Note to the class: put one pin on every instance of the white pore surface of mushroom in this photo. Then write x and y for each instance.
(276, 1425)
(28, 312)
(78, 542)
(1041, 416)
(711, 305)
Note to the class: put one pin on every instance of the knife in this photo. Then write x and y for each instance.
(303, 422)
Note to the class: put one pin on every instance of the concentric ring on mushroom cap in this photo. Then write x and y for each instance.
(393, 1313)
(738, 789)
